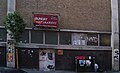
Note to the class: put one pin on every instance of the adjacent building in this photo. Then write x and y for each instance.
(57, 31)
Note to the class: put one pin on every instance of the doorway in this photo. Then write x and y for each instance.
(2, 56)
(28, 58)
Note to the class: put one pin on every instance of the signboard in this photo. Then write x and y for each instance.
(43, 20)
(60, 52)
(80, 57)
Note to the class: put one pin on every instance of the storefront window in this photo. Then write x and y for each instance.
(3, 35)
(65, 38)
(105, 39)
(24, 37)
(92, 39)
(51, 37)
(79, 39)
(37, 36)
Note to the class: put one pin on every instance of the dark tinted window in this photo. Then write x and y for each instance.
(24, 37)
(92, 39)
(3, 35)
(51, 37)
(65, 38)
(37, 36)
(105, 39)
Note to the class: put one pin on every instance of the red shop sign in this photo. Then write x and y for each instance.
(46, 20)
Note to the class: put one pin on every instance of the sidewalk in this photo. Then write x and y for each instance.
(61, 71)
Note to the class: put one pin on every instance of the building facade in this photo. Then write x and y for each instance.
(84, 29)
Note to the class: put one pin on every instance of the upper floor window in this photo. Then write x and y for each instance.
(65, 38)
(79, 39)
(105, 39)
(92, 39)
(51, 37)
(24, 37)
(37, 36)
(3, 35)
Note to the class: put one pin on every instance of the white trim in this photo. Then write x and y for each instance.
(2, 26)
(72, 30)
(69, 30)
(69, 47)
(30, 36)
(86, 31)
(115, 35)
(44, 37)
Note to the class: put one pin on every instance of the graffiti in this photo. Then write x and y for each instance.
(46, 60)
(116, 54)
(10, 57)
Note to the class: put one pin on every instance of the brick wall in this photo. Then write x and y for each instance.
(74, 14)
(3, 11)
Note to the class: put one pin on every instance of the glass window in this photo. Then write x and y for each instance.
(78, 39)
(105, 39)
(3, 35)
(65, 38)
(24, 37)
(51, 37)
(92, 39)
(37, 36)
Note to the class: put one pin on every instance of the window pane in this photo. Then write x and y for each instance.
(3, 35)
(51, 37)
(79, 39)
(24, 37)
(65, 38)
(37, 36)
(92, 39)
(105, 39)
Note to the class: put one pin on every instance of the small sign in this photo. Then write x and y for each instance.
(60, 52)
(82, 62)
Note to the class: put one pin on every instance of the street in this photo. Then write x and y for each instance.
(61, 71)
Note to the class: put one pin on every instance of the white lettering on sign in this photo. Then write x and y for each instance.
(49, 22)
(40, 18)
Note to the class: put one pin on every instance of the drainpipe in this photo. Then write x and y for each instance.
(115, 35)
(10, 47)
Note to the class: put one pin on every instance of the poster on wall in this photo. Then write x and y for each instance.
(10, 54)
(46, 60)
(82, 62)
(42, 20)
(116, 54)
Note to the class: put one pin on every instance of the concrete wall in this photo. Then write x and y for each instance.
(3, 11)
(74, 14)
(119, 10)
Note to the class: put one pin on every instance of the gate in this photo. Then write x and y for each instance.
(28, 58)
(2, 56)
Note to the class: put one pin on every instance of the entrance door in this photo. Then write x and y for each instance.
(46, 60)
(28, 58)
(2, 56)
